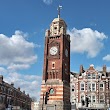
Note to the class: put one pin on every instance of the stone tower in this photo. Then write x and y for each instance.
(55, 87)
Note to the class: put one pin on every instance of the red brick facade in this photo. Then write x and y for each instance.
(12, 97)
(91, 84)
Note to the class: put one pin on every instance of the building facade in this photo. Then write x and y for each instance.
(35, 106)
(10, 97)
(90, 88)
(55, 87)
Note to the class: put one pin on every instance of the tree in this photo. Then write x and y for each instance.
(34, 99)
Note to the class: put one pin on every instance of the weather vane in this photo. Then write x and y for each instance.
(59, 8)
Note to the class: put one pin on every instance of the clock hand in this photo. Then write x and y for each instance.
(53, 50)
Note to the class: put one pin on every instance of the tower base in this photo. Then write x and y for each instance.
(56, 105)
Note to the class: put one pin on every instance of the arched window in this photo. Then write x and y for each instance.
(51, 91)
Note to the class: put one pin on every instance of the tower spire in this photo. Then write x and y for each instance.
(59, 8)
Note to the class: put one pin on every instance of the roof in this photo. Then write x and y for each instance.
(59, 20)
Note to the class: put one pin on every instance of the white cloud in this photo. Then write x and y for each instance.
(16, 53)
(108, 69)
(86, 41)
(107, 57)
(3, 70)
(99, 68)
(16, 49)
(18, 66)
(48, 2)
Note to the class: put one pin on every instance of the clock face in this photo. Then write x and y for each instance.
(66, 53)
(53, 50)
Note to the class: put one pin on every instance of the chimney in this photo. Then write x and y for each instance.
(28, 95)
(23, 92)
(19, 88)
(104, 68)
(81, 69)
(12, 84)
(1, 78)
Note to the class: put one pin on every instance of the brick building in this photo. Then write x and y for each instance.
(90, 88)
(12, 97)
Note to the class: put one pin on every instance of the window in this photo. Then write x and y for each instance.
(51, 91)
(53, 65)
(82, 98)
(82, 86)
(89, 76)
(101, 87)
(101, 98)
(93, 76)
(55, 27)
(92, 98)
(72, 88)
(91, 86)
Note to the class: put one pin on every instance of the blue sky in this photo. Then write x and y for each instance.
(22, 29)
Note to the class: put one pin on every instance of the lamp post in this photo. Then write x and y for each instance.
(55, 106)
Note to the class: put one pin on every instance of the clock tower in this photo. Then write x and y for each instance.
(55, 87)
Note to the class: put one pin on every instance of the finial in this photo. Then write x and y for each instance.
(59, 8)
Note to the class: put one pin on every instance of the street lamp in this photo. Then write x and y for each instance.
(55, 106)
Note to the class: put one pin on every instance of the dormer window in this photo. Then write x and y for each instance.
(91, 76)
